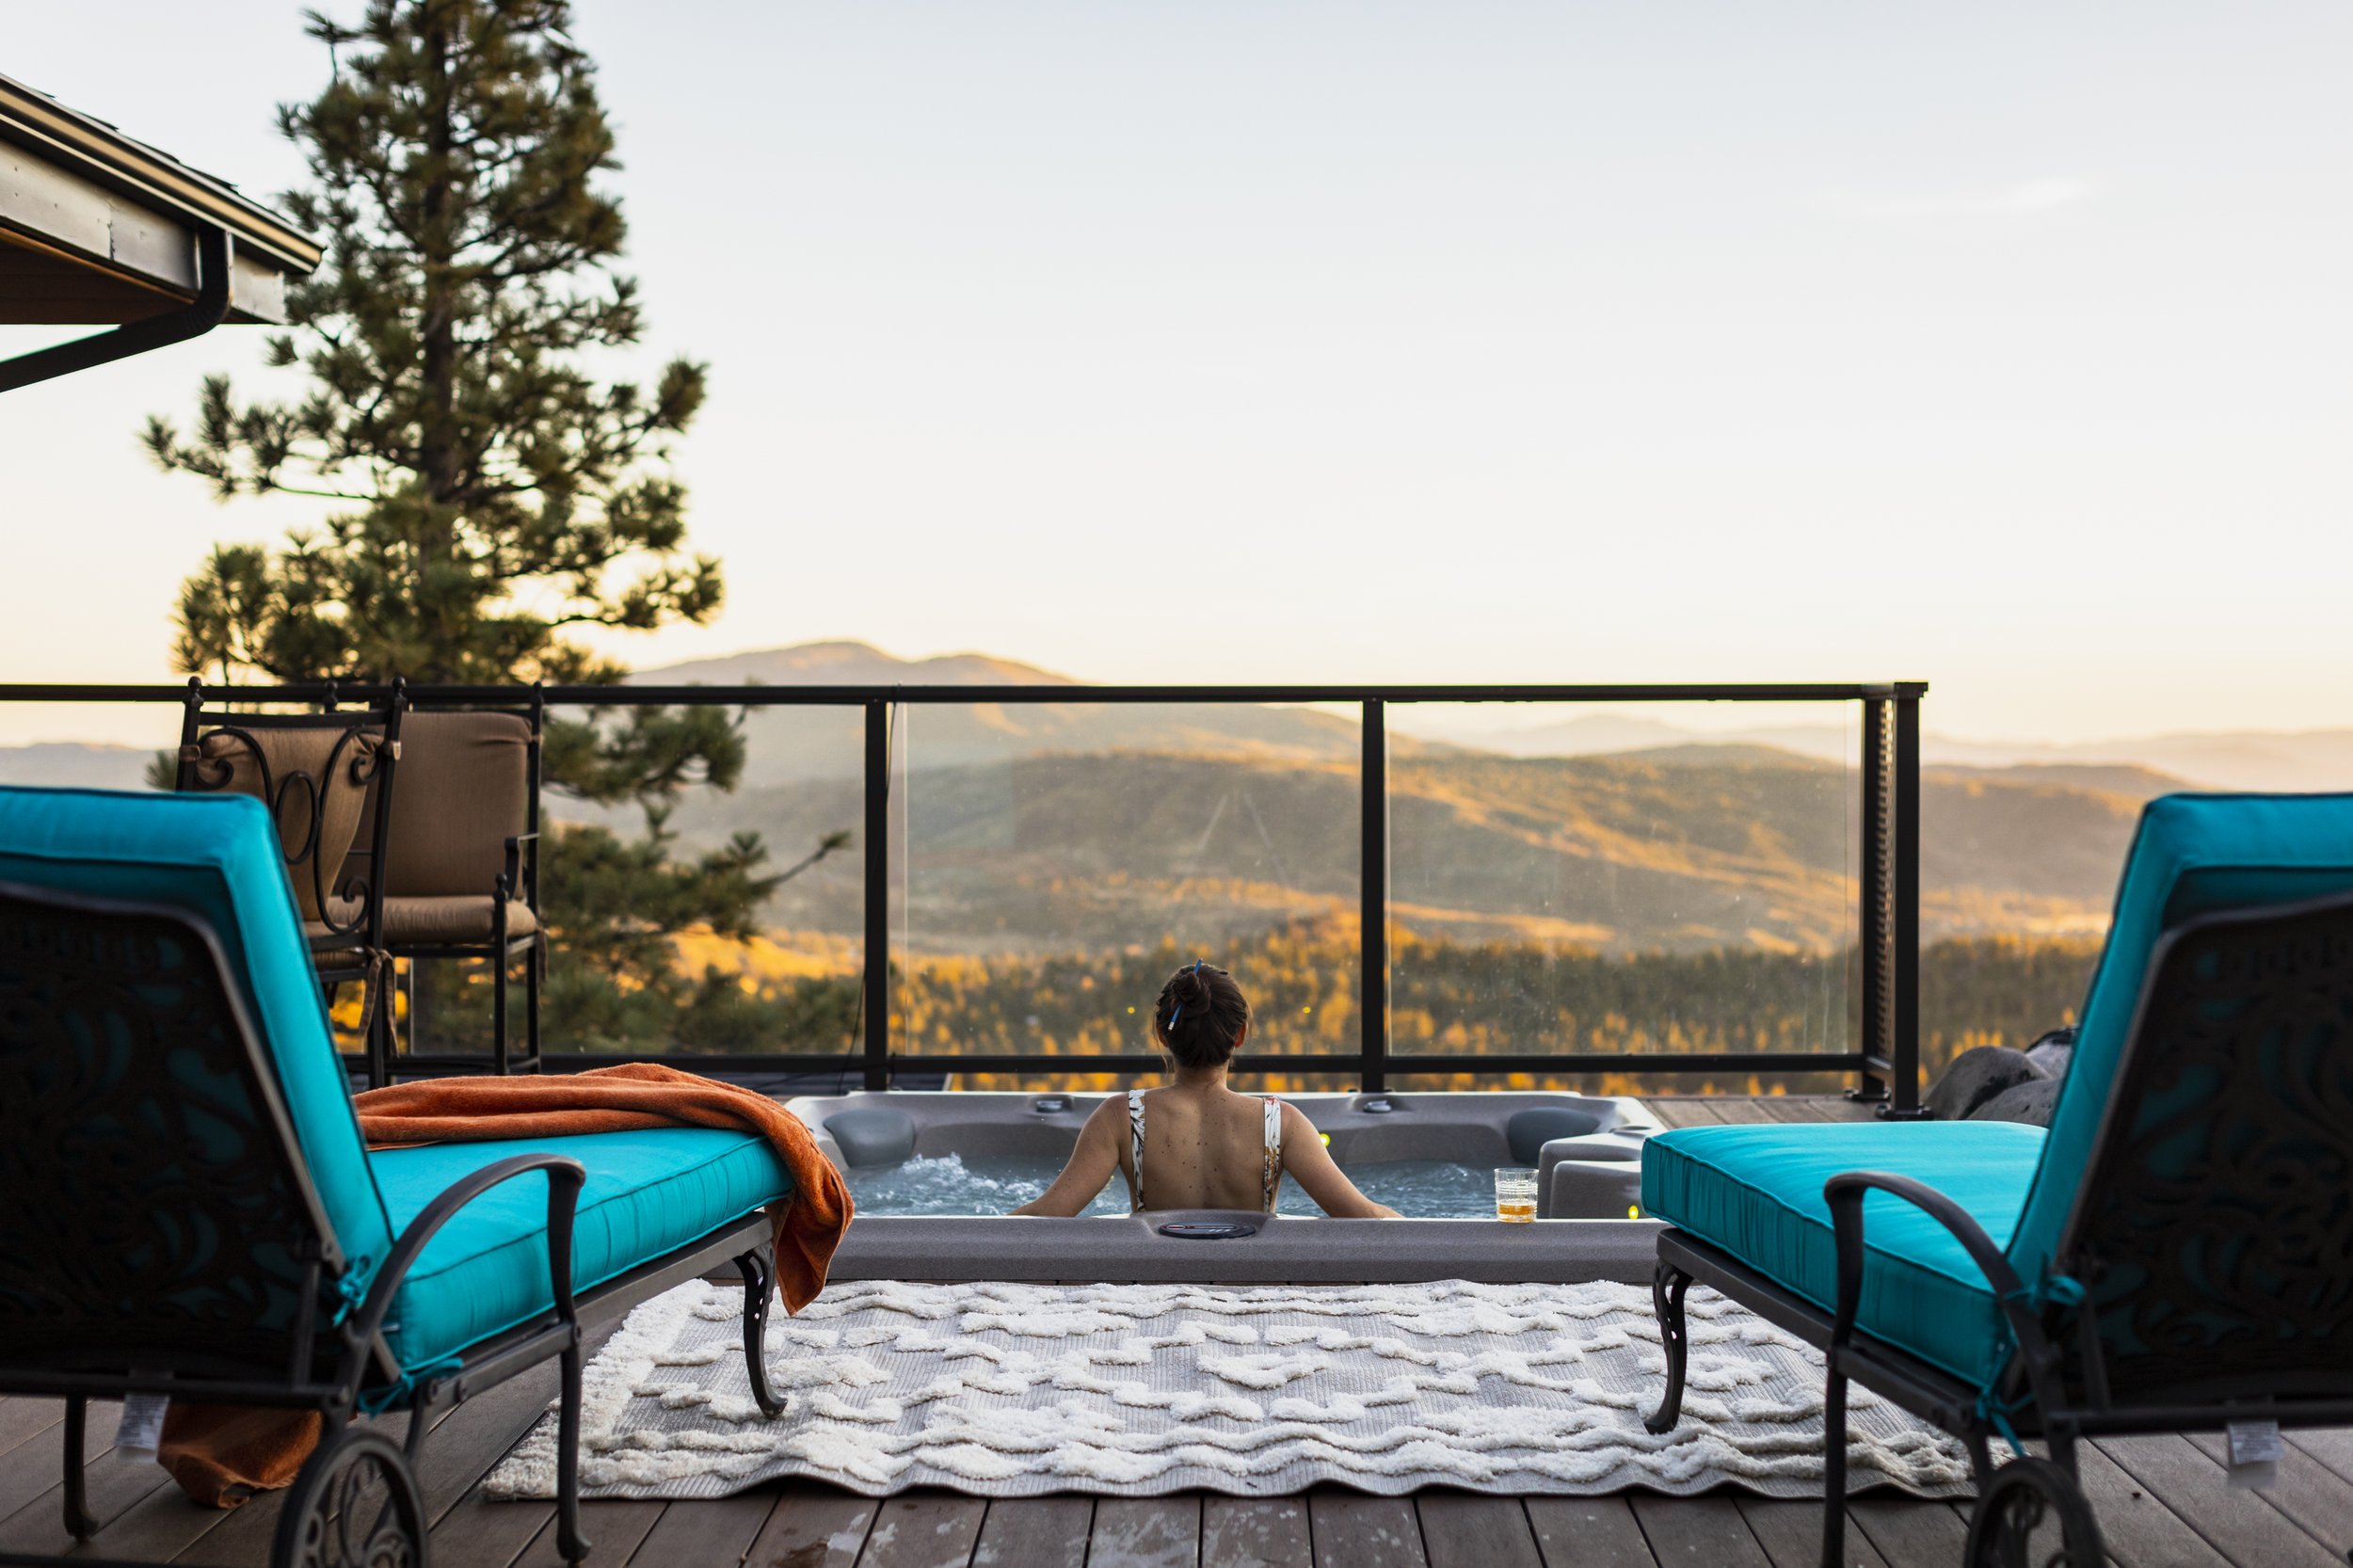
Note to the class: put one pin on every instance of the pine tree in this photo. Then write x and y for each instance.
(490, 494)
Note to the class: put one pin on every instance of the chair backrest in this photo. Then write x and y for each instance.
(2192, 855)
(215, 860)
(317, 774)
(468, 782)
(158, 1215)
(2216, 1215)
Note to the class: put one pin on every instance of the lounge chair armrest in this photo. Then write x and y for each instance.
(565, 1177)
(1845, 1194)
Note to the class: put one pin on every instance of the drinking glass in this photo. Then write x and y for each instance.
(1515, 1194)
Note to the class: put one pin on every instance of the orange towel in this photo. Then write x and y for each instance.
(221, 1455)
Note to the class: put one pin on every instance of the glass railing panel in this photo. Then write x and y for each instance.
(1064, 860)
(721, 916)
(1612, 883)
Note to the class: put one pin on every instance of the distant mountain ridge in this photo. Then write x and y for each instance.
(2257, 759)
(787, 743)
(2224, 760)
(1071, 821)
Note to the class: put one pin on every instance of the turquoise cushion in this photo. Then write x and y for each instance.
(648, 1193)
(218, 858)
(2193, 854)
(1756, 1193)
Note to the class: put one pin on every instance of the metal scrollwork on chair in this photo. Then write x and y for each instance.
(356, 1504)
(326, 780)
(2030, 1514)
(2212, 1235)
(153, 1194)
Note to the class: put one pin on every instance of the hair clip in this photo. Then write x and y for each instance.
(1179, 1011)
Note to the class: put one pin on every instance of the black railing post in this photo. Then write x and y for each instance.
(1875, 925)
(1373, 899)
(1906, 978)
(877, 998)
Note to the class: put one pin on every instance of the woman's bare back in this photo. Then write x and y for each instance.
(1204, 1147)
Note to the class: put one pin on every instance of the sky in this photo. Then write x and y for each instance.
(2003, 346)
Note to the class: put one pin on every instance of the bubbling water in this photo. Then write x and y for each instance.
(954, 1184)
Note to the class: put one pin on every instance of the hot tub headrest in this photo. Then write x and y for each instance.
(1530, 1131)
(873, 1136)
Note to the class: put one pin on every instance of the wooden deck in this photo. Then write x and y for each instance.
(2163, 1502)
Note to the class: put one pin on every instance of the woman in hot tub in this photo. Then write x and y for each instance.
(1197, 1144)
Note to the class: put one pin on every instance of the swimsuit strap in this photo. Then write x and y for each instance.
(1136, 1139)
(1273, 1181)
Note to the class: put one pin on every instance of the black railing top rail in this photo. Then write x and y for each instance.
(779, 696)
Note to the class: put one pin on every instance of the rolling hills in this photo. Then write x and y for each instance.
(1076, 824)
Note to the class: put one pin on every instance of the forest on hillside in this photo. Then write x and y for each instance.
(1447, 996)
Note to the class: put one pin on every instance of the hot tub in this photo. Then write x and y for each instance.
(934, 1173)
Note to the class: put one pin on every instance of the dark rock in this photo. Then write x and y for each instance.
(1975, 1077)
(2030, 1102)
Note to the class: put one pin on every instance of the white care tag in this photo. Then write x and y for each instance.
(2255, 1454)
(142, 1424)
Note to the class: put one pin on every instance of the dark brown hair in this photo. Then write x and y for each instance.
(1200, 1017)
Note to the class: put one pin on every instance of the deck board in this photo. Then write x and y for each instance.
(1034, 1533)
(1906, 1532)
(35, 1466)
(717, 1531)
(813, 1527)
(2140, 1531)
(1255, 1532)
(1589, 1532)
(1789, 1532)
(1147, 1533)
(2245, 1527)
(1351, 1530)
(929, 1528)
(617, 1528)
(1697, 1533)
(2307, 1491)
(22, 1420)
(1471, 1530)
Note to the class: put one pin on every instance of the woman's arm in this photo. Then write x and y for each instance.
(1091, 1164)
(1310, 1164)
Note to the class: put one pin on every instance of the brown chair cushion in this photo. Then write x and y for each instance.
(455, 918)
(462, 789)
(298, 760)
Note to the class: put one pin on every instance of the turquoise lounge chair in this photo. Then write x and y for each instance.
(186, 1207)
(2176, 1253)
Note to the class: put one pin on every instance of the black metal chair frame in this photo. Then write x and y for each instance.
(2149, 1273)
(519, 874)
(340, 1368)
(352, 951)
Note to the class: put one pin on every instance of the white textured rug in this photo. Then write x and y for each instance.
(1010, 1391)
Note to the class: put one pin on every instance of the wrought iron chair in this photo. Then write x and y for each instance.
(189, 1210)
(461, 873)
(327, 778)
(2169, 1257)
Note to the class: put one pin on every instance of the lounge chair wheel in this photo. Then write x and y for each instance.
(355, 1505)
(2033, 1516)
